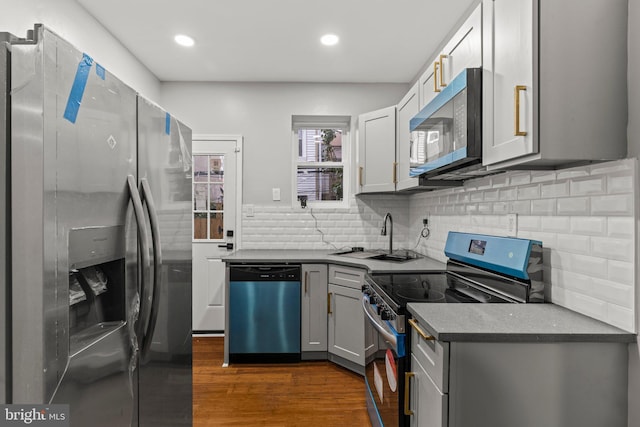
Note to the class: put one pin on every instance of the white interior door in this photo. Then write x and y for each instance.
(217, 172)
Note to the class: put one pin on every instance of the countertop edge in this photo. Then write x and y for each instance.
(372, 266)
(535, 338)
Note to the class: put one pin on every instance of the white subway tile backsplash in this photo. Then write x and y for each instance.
(507, 194)
(555, 189)
(586, 304)
(621, 272)
(520, 179)
(574, 244)
(543, 207)
(583, 216)
(621, 227)
(543, 176)
(620, 183)
(613, 292)
(591, 266)
(572, 173)
(588, 186)
(558, 224)
(589, 225)
(529, 223)
(621, 317)
(621, 204)
(521, 207)
(529, 192)
(617, 249)
(573, 206)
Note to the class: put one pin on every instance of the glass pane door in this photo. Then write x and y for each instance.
(208, 197)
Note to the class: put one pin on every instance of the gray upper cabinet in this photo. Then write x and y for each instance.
(555, 82)
(376, 151)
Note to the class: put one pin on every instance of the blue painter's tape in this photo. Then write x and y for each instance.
(445, 160)
(100, 71)
(457, 85)
(77, 89)
(167, 124)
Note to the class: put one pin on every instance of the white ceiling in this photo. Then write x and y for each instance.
(278, 40)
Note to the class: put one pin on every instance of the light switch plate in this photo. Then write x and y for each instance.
(250, 210)
(276, 194)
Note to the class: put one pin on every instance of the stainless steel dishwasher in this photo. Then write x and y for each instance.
(264, 313)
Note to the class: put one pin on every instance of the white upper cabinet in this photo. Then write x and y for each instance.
(463, 50)
(554, 82)
(407, 108)
(376, 151)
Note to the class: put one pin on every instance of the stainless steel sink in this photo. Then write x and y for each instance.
(395, 257)
(380, 255)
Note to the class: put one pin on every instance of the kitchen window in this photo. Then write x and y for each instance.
(321, 148)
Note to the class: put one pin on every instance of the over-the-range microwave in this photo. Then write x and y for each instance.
(447, 133)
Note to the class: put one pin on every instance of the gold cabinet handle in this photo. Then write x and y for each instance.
(516, 96)
(420, 331)
(395, 172)
(329, 303)
(360, 176)
(442, 83)
(435, 77)
(407, 378)
(306, 281)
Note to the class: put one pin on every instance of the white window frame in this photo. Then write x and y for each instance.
(323, 122)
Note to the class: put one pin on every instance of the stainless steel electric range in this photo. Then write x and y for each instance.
(480, 269)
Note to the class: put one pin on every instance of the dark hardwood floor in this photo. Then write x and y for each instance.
(298, 394)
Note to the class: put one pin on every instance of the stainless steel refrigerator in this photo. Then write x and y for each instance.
(96, 241)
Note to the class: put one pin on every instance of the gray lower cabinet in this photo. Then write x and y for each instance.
(524, 384)
(348, 342)
(314, 311)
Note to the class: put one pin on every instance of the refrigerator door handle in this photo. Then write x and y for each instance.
(147, 200)
(144, 247)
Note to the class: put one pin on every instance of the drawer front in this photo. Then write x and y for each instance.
(433, 356)
(345, 276)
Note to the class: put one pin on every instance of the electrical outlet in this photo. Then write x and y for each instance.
(512, 224)
(276, 194)
(250, 210)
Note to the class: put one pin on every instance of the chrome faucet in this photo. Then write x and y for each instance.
(383, 232)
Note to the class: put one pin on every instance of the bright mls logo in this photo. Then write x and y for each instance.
(34, 415)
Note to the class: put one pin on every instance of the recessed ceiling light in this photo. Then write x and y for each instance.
(183, 40)
(329, 39)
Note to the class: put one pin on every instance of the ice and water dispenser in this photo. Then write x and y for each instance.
(97, 277)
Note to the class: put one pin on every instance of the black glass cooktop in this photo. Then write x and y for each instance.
(400, 289)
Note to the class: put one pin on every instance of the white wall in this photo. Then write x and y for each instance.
(261, 113)
(71, 21)
(634, 150)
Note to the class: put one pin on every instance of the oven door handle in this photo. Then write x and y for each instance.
(388, 335)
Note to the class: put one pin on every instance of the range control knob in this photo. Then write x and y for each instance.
(385, 315)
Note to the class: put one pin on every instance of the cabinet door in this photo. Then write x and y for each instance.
(314, 314)
(407, 108)
(464, 50)
(346, 323)
(429, 405)
(377, 145)
(508, 91)
(428, 86)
